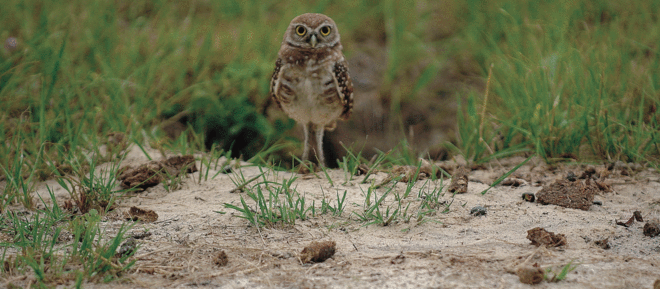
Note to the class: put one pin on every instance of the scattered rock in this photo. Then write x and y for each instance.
(540, 236)
(512, 182)
(575, 195)
(529, 197)
(398, 259)
(221, 259)
(604, 243)
(152, 173)
(571, 176)
(603, 186)
(652, 228)
(459, 181)
(588, 172)
(144, 215)
(408, 174)
(637, 215)
(478, 211)
(362, 169)
(598, 203)
(140, 235)
(127, 248)
(227, 169)
(281, 254)
(318, 251)
(530, 275)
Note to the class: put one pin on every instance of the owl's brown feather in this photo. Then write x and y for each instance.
(345, 88)
(310, 82)
(274, 81)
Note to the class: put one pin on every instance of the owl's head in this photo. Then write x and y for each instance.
(312, 31)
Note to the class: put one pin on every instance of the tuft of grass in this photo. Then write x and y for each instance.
(556, 277)
(271, 209)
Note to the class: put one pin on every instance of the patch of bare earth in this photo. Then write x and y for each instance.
(191, 245)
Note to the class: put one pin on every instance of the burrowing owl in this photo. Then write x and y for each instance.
(310, 82)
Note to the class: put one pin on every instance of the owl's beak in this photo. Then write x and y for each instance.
(313, 41)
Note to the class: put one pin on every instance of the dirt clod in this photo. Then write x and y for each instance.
(652, 228)
(398, 259)
(604, 243)
(144, 215)
(603, 186)
(571, 176)
(318, 251)
(141, 235)
(478, 211)
(459, 181)
(588, 172)
(512, 182)
(127, 248)
(362, 169)
(575, 195)
(637, 215)
(221, 259)
(152, 173)
(540, 236)
(529, 197)
(530, 275)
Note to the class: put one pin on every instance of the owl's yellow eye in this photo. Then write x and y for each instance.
(325, 30)
(301, 30)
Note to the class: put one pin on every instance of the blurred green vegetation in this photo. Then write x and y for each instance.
(576, 79)
(573, 79)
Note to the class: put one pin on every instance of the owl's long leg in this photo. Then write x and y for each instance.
(319, 143)
(305, 154)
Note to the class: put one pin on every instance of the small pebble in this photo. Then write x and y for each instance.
(529, 197)
(571, 176)
(598, 203)
(652, 228)
(530, 275)
(478, 211)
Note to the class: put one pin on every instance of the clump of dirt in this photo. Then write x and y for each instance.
(530, 275)
(604, 243)
(144, 215)
(152, 173)
(568, 194)
(398, 259)
(637, 215)
(528, 197)
(459, 181)
(127, 248)
(512, 182)
(540, 236)
(221, 259)
(652, 228)
(407, 174)
(318, 251)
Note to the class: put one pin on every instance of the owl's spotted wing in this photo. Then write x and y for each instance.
(344, 87)
(275, 82)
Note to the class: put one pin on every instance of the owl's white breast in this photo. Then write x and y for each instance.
(310, 104)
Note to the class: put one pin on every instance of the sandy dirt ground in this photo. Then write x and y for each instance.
(452, 249)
